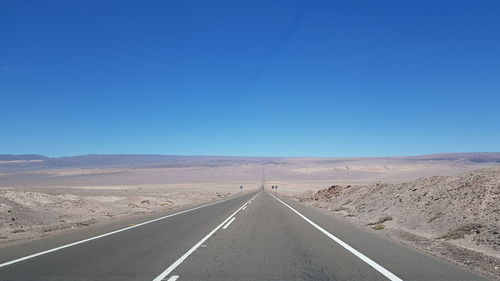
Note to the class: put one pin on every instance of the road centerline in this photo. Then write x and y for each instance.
(346, 246)
(229, 222)
(197, 245)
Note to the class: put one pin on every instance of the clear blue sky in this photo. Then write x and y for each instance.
(295, 78)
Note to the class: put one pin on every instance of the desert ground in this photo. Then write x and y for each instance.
(454, 217)
(445, 204)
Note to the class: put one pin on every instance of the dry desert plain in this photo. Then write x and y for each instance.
(445, 204)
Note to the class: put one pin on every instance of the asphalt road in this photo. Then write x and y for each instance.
(255, 236)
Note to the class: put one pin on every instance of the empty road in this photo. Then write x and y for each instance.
(255, 236)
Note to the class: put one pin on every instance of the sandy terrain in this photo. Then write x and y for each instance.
(202, 171)
(27, 214)
(40, 196)
(455, 217)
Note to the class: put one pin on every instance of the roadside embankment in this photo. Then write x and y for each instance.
(33, 214)
(453, 217)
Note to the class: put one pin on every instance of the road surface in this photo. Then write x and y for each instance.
(255, 236)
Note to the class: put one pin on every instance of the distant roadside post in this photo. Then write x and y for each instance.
(241, 188)
(276, 188)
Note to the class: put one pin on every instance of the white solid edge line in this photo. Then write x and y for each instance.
(229, 222)
(196, 246)
(364, 258)
(173, 278)
(106, 234)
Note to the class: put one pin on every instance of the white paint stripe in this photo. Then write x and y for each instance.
(173, 278)
(196, 246)
(244, 207)
(231, 221)
(106, 234)
(364, 258)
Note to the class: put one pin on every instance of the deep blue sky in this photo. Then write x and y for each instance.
(296, 78)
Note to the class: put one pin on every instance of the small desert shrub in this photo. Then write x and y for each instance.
(378, 226)
(340, 209)
(381, 220)
(461, 231)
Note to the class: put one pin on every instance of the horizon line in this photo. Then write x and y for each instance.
(246, 156)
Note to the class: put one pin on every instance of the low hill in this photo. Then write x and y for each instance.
(13, 157)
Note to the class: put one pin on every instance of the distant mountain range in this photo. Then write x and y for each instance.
(15, 157)
(33, 161)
